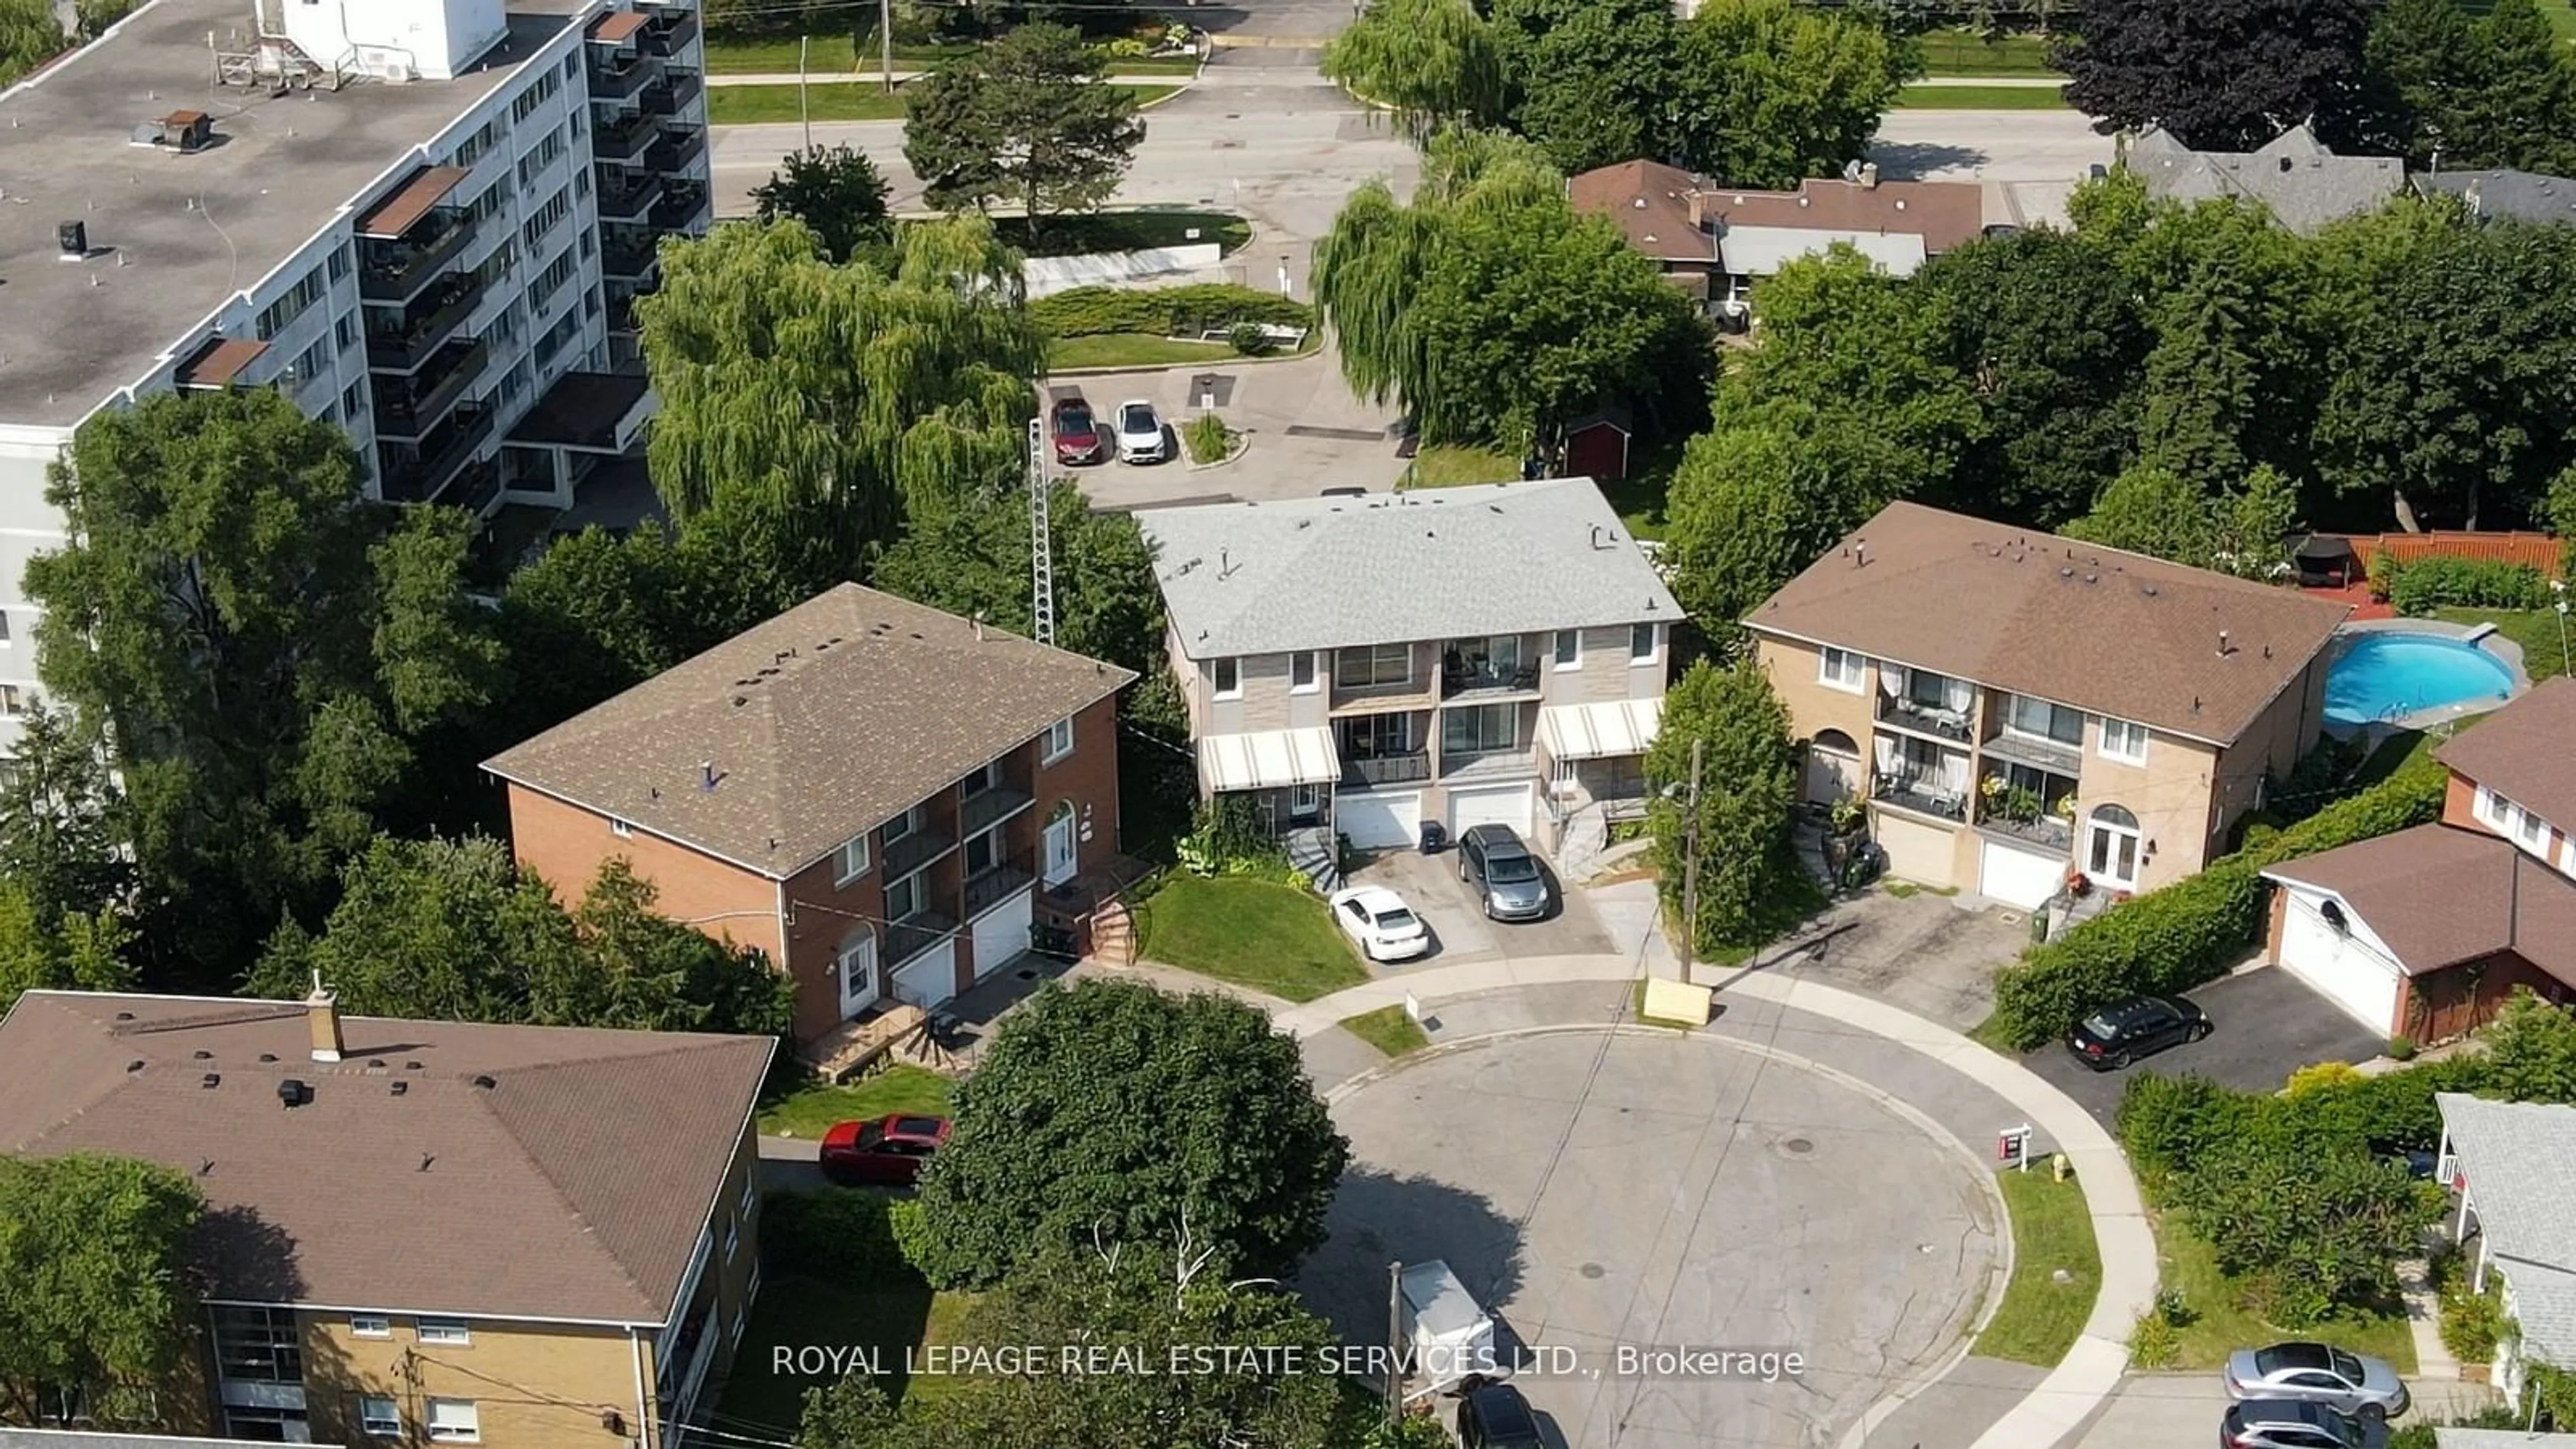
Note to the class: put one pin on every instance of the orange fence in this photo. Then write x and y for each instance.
(2539, 550)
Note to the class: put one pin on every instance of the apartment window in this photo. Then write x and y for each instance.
(535, 96)
(454, 1420)
(983, 852)
(341, 262)
(316, 358)
(1840, 668)
(852, 860)
(1481, 730)
(471, 149)
(740, 1321)
(903, 825)
(622, 829)
(445, 1330)
(1569, 648)
(4, 628)
(1372, 664)
(274, 317)
(2037, 718)
(12, 701)
(903, 898)
(1301, 672)
(1229, 678)
(1641, 643)
(2123, 740)
(733, 1236)
(370, 1325)
(353, 400)
(547, 217)
(1059, 739)
(572, 66)
(258, 1345)
(345, 331)
(750, 1193)
(381, 1418)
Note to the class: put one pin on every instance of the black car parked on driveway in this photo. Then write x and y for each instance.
(2113, 1037)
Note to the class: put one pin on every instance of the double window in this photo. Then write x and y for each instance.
(2124, 741)
(1371, 665)
(450, 1332)
(851, 861)
(455, 1420)
(2039, 719)
(258, 1345)
(1840, 668)
(1059, 738)
(1480, 729)
(2517, 824)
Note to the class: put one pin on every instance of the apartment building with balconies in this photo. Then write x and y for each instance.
(888, 801)
(423, 1232)
(2016, 708)
(1463, 656)
(386, 213)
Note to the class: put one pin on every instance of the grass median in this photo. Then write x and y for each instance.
(1981, 98)
(2052, 1231)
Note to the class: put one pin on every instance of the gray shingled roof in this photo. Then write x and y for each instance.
(1324, 573)
(2294, 177)
(826, 721)
(2522, 195)
(573, 1187)
(84, 1439)
(2519, 1158)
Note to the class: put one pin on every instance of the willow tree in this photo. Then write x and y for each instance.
(1433, 62)
(804, 404)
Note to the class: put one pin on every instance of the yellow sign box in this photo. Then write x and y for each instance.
(1678, 1002)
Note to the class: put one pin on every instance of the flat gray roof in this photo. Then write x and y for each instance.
(280, 170)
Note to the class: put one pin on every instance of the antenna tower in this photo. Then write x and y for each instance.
(1041, 540)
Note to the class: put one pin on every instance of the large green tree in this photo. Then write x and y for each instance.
(1113, 1109)
(2519, 107)
(1593, 81)
(1434, 63)
(2242, 530)
(1749, 876)
(1030, 120)
(1767, 91)
(30, 34)
(261, 649)
(98, 1301)
(837, 191)
(970, 557)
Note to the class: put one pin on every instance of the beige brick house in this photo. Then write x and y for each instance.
(424, 1232)
(1485, 655)
(2014, 705)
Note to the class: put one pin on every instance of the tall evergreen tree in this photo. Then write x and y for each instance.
(2520, 109)
(1029, 120)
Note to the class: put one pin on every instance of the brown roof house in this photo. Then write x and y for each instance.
(873, 793)
(2424, 933)
(2019, 709)
(424, 1231)
(1719, 241)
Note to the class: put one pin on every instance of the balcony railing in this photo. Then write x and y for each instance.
(1511, 759)
(1461, 675)
(997, 883)
(395, 271)
(673, 96)
(429, 322)
(1930, 719)
(624, 141)
(1386, 769)
(624, 198)
(410, 410)
(1922, 794)
(678, 148)
(915, 934)
(2038, 752)
(2052, 831)
(476, 487)
(917, 850)
(629, 255)
(417, 475)
(616, 77)
(668, 35)
(682, 205)
(989, 807)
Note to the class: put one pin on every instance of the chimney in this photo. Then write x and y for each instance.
(322, 1014)
(1699, 211)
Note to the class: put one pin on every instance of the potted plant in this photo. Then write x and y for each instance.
(1849, 817)
(2078, 884)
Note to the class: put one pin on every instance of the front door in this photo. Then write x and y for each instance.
(1060, 851)
(2113, 856)
(858, 967)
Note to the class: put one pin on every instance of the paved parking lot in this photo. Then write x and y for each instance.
(2268, 1025)
(1430, 884)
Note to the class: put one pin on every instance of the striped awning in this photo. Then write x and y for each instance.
(1269, 759)
(1599, 731)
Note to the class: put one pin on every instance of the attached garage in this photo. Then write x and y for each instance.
(1916, 851)
(2017, 877)
(2340, 965)
(1378, 819)
(1490, 805)
(1002, 934)
(929, 978)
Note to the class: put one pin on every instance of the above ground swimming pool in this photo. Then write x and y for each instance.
(2385, 676)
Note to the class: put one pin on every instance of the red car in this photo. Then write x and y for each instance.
(888, 1151)
(1075, 430)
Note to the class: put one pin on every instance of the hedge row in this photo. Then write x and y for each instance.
(2470, 583)
(2167, 1123)
(2192, 931)
(1165, 311)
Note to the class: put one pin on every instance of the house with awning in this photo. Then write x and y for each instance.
(1493, 654)
(2509, 1164)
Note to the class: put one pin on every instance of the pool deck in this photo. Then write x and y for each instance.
(2483, 636)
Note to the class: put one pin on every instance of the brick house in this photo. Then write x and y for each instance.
(882, 798)
(2426, 932)
(423, 1232)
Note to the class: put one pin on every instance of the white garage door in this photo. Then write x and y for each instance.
(1492, 805)
(1378, 821)
(2018, 877)
(2340, 966)
(930, 978)
(1002, 934)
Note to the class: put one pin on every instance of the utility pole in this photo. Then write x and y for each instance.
(1394, 1343)
(804, 111)
(1690, 863)
(885, 43)
(1041, 540)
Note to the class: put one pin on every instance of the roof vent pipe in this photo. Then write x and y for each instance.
(2223, 650)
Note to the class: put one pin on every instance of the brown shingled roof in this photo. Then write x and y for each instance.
(828, 720)
(2439, 895)
(2525, 751)
(2116, 633)
(573, 1188)
(1651, 203)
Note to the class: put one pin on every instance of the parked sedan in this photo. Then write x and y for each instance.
(2115, 1036)
(1075, 430)
(2317, 1373)
(1140, 433)
(889, 1152)
(1496, 1416)
(2288, 1424)
(1385, 928)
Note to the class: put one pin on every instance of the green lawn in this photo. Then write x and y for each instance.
(796, 1312)
(834, 101)
(1128, 349)
(824, 55)
(1256, 933)
(2544, 653)
(901, 1087)
(2218, 1326)
(2040, 1318)
(1445, 466)
(1963, 52)
(1978, 98)
(1388, 1029)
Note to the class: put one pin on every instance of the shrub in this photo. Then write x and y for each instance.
(1206, 438)
(2154, 1344)
(846, 1236)
(2322, 1075)
(2304, 1232)
(2168, 1122)
(1165, 311)
(1249, 339)
(2401, 1048)
(2432, 583)
(2471, 1323)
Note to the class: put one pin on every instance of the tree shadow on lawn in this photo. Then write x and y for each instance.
(1380, 1218)
(805, 1333)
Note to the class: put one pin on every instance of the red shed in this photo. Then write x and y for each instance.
(1596, 446)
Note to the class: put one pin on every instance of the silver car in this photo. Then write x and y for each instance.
(2317, 1373)
(1509, 884)
(2288, 1424)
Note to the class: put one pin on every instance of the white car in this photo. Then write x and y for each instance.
(1383, 925)
(1140, 433)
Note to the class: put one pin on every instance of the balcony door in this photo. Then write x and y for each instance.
(858, 971)
(1062, 856)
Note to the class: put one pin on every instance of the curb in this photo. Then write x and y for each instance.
(1236, 360)
(1243, 445)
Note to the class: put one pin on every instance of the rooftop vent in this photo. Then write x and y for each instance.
(707, 776)
(401, 1087)
(2150, 591)
(186, 132)
(375, 1064)
(486, 1083)
(293, 1093)
(268, 1056)
(2066, 573)
(210, 1080)
(125, 1016)
(202, 1056)
(73, 238)
(2223, 648)
(411, 1066)
(135, 1065)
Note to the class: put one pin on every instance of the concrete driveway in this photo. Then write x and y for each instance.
(1306, 433)
(1651, 1190)
(1430, 884)
(2268, 1025)
(1930, 954)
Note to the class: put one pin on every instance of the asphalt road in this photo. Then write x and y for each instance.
(2266, 1026)
(2053, 146)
